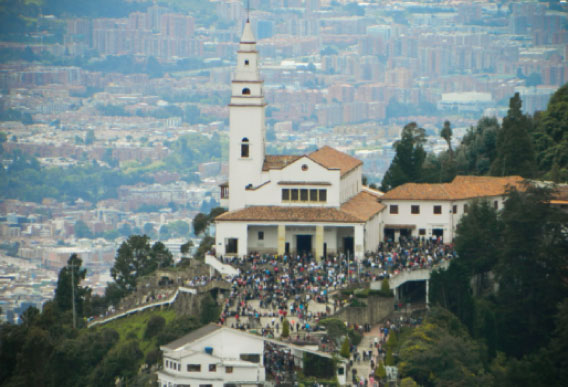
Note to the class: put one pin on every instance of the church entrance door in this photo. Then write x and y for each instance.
(304, 244)
(348, 246)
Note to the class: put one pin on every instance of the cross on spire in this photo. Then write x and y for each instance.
(248, 10)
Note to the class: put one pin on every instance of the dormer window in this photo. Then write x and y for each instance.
(246, 91)
(246, 62)
(245, 148)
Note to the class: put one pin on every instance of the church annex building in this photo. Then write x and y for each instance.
(316, 203)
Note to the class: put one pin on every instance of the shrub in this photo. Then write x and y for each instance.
(154, 326)
(345, 352)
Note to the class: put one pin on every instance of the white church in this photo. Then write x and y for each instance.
(316, 203)
(313, 203)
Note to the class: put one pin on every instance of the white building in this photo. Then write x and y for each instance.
(213, 356)
(218, 356)
(434, 210)
(312, 203)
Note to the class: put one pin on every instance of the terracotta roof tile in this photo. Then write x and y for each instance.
(461, 188)
(278, 161)
(364, 206)
(289, 214)
(334, 159)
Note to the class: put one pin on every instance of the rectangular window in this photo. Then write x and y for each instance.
(204, 385)
(304, 195)
(167, 364)
(212, 367)
(415, 209)
(294, 195)
(194, 368)
(437, 210)
(496, 204)
(454, 209)
(465, 209)
(421, 231)
(313, 195)
(250, 357)
(244, 150)
(179, 366)
(261, 235)
(322, 195)
(232, 246)
(285, 194)
(393, 209)
(229, 369)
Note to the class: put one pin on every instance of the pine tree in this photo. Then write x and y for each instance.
(408, 160)
(515, 155)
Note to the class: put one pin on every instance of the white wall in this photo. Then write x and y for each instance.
(270, 242)
(373, 233)
(271, 194)
(226, 230)
(427, 220)
(351, 184)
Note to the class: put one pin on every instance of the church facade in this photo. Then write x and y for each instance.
(312, 203)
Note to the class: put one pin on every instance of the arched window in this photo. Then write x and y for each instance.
(246, 91)
(246, 62)
(245, 147)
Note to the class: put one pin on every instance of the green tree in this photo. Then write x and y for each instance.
(478, 148)
(481, 223)
(515, 155)
(200, 223)
(440, 353)
(380, 371)
(122, 360)
(531, 272)
(154, 325)
(408, 160)
(551, 137)
(135, 258)
(210, 310)
(68, 285)
(446, 133)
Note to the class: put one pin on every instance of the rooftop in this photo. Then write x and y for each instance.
(461, 188)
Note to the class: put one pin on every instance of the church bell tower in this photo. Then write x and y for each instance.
(247, 122)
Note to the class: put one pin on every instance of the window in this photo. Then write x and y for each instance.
(322, 195)
(496, 204)
(437, 210)
(247, 62)
(415, 209)
(232, 246)
(245, 147)
(205, 385)
(251, 357)
(294, 195)
(285, 194)
(179, 366)
(393, 209)
(465, 209)
(194, 368)
(212, 367)
(421, 231)
(454, 209)
(304, 167)
(246, 91)
(261, 235)
(167, 364)
(313, 195)
(304, 195)
(229, 369)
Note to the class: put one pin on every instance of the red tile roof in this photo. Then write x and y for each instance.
(278, 161)
(289, 214)
(461, 188)
(364, 206)
(334, 159)
(327, 157)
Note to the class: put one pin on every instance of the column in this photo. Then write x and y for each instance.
(359, 242)
(281, 239)
(319, 242)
